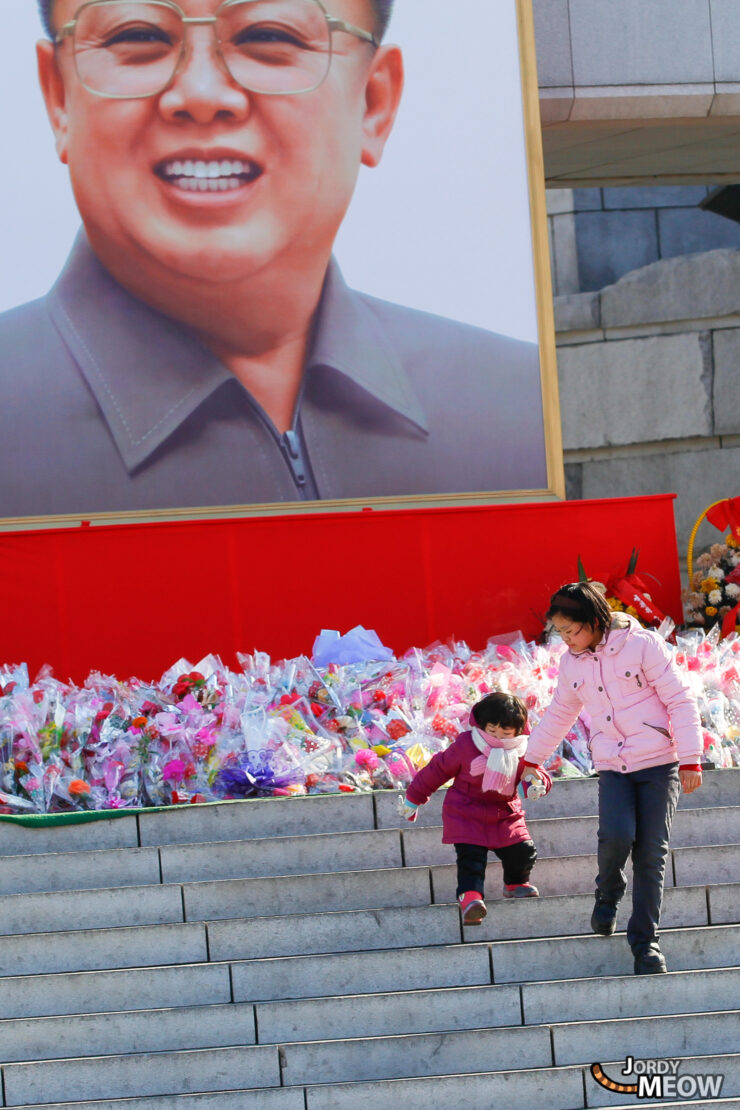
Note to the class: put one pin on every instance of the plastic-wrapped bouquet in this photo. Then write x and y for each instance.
(714, 595)
(205, 733)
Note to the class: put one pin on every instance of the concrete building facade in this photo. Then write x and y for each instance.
(640, 108)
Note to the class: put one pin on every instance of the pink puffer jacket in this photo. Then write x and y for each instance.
(642, 713)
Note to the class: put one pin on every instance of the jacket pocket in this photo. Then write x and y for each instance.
(631, 680)
(658, 728)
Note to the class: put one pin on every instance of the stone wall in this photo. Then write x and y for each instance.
(649, 371)
(598, 235)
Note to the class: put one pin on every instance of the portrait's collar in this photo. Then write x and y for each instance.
(349, 337)
(146, 372)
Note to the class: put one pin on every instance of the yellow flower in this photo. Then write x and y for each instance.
(615, 604)
(632, 611)
(711, 610)
(731, 541)
(708, 584)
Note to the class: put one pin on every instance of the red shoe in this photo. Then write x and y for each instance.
(472, 907)
(521, 890)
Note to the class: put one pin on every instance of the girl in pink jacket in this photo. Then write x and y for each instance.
(646, 745)
(481, 811)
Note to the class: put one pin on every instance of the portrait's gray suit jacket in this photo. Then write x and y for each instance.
(108, 405)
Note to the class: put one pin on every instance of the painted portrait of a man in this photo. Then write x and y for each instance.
(201, 346)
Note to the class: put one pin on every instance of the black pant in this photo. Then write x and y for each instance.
(517, 859)
(635, 815)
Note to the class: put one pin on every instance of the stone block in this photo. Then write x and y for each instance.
(559, 201)
(358, 890)
(655, 196)
(700, 477)
(726, 37)
(361, 972)
(577, 312)
(259, 817)
(517, 1090)
(555, 105)
(718, 788)
(106, 991)
(397, 1012)
(568, 798)
(569, 915)
(701, 865)
(351, 931)
(97, 949)
(558, 836)
(684, 231)
(610, 244)
(616, 393)
(417, 1054)
(681, 992)
(584, 1042)
(726, 381)
(588, 200)
(704, 827)
(724, 904)
(685, 288)
(561, 875)
(564, 254)
(113, 1034)
(163, 1073)
(86, 909)
(79, 870)
(269, 1098)
(120, 832)
(574, 957)
(552, 35)
(283, 855)
(633, 43)
(387, 815)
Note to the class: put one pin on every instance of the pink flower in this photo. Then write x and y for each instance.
(366, 757)
(174, 771)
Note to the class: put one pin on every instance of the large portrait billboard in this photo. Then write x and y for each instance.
(266, 253)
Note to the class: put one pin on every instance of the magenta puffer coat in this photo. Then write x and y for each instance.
(469, 815)
(642, 712)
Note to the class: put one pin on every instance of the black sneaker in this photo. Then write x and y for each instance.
(604, 917)
(650, 961)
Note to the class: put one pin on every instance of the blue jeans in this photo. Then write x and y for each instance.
(635, 814)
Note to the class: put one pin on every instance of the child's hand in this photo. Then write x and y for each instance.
(690, 780)
(535, 787)
(407, 809)
(534, 783)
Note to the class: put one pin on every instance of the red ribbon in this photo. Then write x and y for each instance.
(731, 619)
(726, 514)
(631, 590)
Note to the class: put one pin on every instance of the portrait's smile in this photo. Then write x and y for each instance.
(203, 177)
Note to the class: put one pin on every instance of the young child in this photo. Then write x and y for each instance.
(481, 811)
(646, 745)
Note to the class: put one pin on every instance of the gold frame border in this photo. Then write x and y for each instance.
(548, 366)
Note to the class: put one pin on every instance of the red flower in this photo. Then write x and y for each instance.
(21, 767)
(38, 696)
(78, 788)
(396, 729)
(139, 722)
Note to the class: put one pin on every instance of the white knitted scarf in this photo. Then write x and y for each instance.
(499, 760)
